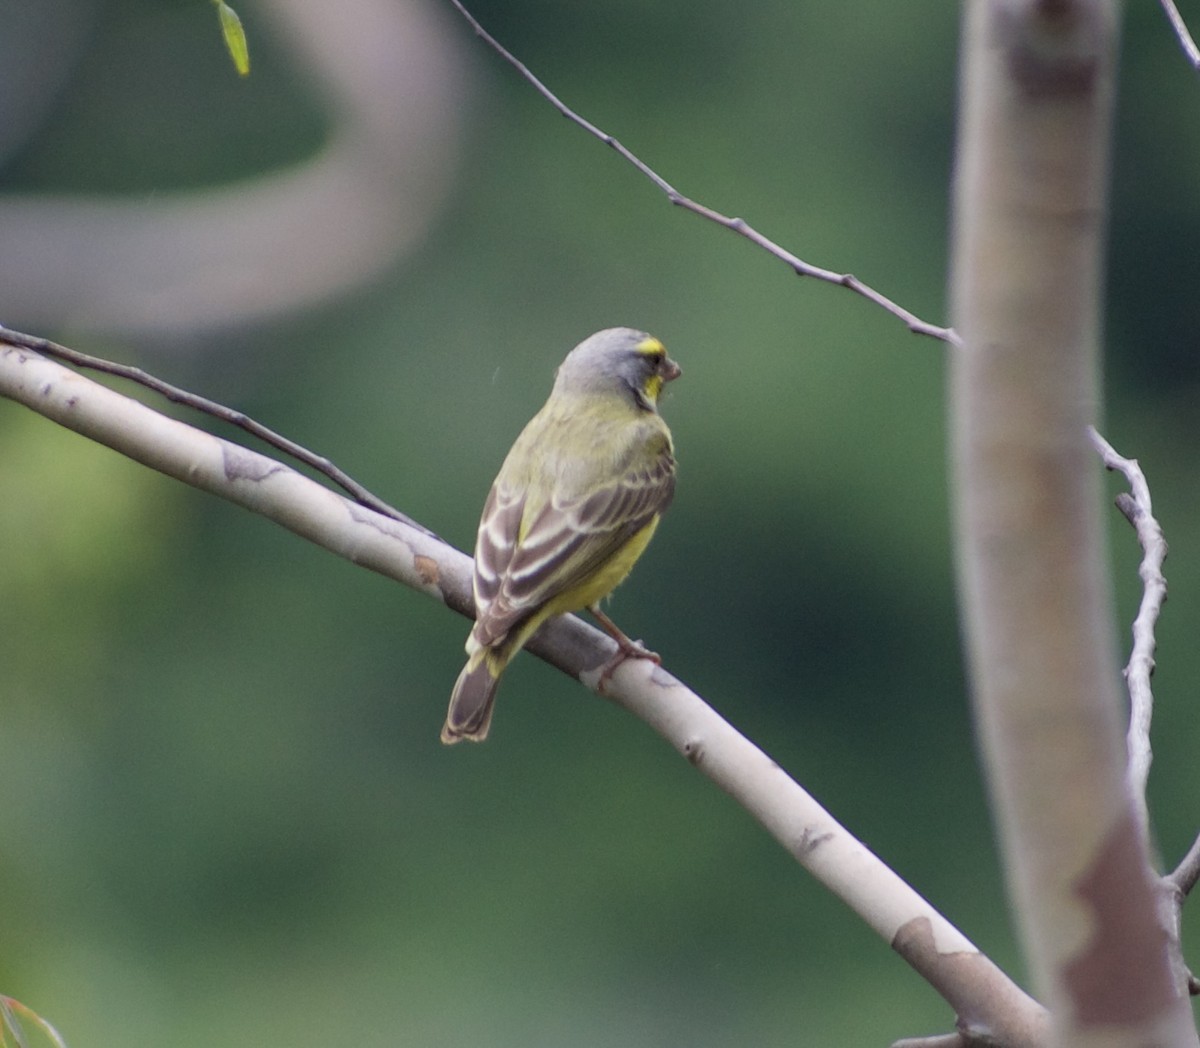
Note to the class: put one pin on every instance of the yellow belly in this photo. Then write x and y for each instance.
(610, 575)
(594, 588)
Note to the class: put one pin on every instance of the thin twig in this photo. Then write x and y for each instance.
(1173, 890)
(1138, 510)
(939, 1040)
(1185, 875)
(737, 225)
(1181, 30)
(209, 407)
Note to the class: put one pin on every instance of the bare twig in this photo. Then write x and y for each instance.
(209, 407)
(1181, 30)
(1173, 888)
(1138, 510)
(1171, 892)
(938, 1040)
(737, 225)
(1185, 875)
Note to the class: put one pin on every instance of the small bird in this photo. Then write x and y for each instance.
(573, 507)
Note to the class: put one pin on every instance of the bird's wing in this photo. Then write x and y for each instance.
(520, 565)
(494, 545)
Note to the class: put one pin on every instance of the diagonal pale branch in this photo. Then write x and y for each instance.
(983, 997)
(736, 225)
(1181, 30)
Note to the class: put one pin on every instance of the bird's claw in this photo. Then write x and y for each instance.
(626, 649)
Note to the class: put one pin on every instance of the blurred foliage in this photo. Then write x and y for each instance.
(225, 802)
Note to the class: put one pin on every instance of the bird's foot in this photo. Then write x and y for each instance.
(626, 649)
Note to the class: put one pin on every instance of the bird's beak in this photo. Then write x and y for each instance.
(669, 370)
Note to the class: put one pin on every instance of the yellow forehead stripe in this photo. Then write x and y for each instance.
(650, 346)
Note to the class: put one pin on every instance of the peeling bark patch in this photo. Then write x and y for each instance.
(990, 1007)
(427, 568)
(1122, 974)
(914, 940)
(241, 465)
(964, 978)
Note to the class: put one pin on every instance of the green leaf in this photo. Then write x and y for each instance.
(18, 1023)
(235, 37)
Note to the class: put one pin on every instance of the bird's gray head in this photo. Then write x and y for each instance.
(618, 360)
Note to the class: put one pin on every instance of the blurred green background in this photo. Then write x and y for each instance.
(227, 817)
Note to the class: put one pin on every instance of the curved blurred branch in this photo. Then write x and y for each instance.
(40, 45)
(981, 995)
(387, 70)
(737, 225)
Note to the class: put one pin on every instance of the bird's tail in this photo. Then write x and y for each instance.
(470, 713)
